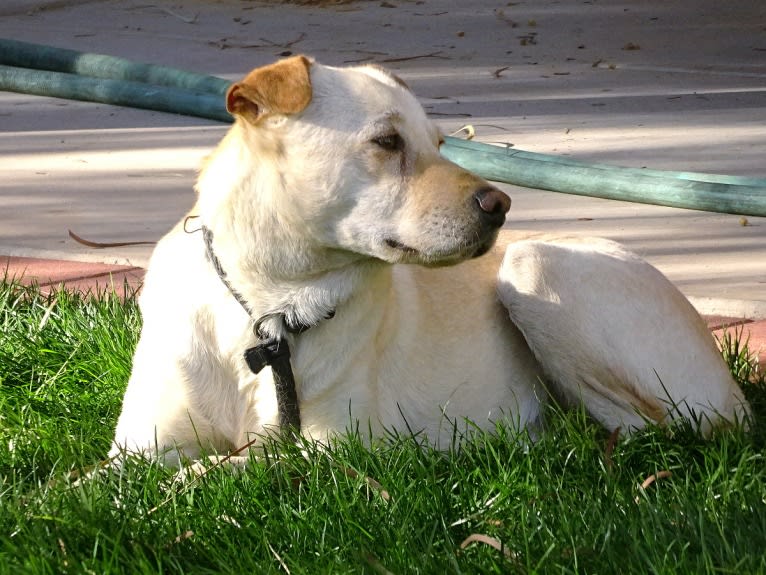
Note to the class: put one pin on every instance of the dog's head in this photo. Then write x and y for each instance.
(358, 167)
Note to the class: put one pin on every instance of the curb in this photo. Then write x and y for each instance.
(83, 277)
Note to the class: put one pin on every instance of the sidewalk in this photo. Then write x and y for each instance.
(657, 84)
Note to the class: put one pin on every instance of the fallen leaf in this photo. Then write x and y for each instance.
(651, 479)
(487, 540)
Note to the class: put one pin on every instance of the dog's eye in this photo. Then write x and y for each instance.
(390, 142)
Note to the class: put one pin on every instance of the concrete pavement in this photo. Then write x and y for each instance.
(666, 85)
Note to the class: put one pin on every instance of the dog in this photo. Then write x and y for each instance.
(332, 228)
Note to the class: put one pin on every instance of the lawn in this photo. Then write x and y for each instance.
(575, 501)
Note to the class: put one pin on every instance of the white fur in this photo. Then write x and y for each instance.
(301, 208)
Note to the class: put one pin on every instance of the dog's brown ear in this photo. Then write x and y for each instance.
(280, 88)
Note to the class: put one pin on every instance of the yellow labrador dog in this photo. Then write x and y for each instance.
(342, 259)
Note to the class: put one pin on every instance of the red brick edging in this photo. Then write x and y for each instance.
(77, 276)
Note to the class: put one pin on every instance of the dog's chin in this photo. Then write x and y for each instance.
(437, 256)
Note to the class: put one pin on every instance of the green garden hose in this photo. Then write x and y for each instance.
(48, 71)
(712, 193)
(42, 57)
(118, 92)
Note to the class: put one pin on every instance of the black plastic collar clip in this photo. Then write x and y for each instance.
(266, 353)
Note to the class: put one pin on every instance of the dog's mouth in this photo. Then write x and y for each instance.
(441, 258)
(399, 246)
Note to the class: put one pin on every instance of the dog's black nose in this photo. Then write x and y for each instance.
(493, 204)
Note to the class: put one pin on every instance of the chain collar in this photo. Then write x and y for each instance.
(270, 351)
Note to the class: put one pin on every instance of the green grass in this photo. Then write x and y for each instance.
(570, 503)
